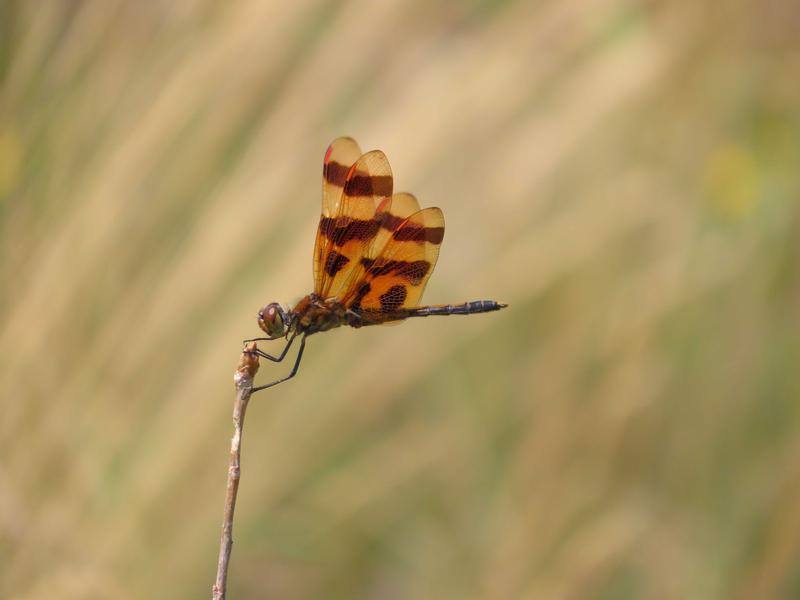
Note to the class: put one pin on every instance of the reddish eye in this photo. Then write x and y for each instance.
(270, 319)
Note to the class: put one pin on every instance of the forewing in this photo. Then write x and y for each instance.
(345, 236)
(339, 157)
(396, 277)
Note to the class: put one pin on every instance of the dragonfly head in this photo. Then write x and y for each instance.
(273, 320)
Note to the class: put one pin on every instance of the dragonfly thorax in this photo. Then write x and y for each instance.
(314, 314)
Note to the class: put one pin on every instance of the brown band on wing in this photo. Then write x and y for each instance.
(389, 221)
(335, 262)
(369, 185)
(393, 298)
(410, 233)
(355, 229)
(362, 291)
(412, 271)
(335, 172)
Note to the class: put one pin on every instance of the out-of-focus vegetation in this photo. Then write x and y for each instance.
(624, 174)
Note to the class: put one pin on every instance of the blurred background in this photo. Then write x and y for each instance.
(624, 174)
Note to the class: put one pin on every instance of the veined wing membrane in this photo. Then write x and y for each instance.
(395, 279)
(345, 236)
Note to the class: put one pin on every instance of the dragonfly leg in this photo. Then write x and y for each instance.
(259, 340)
(294, 368)
(280, 357)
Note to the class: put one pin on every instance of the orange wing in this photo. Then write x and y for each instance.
(374, 251)
(348, 225)
(395, 277)
(339, 157)
(389, 215)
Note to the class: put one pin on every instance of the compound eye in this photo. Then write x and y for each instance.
(270, 319)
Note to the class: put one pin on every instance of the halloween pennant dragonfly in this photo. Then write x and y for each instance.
(374, 253)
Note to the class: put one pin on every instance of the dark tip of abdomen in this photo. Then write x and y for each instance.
(479, 306)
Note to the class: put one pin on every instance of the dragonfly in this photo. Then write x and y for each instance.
(374, 253)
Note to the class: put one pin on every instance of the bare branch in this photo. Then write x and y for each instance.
(243, 380)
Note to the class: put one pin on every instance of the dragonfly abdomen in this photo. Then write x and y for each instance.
(467, 308)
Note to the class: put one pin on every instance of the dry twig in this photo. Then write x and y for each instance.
(243, 380)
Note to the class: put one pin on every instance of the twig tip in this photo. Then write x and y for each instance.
(248, 366)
